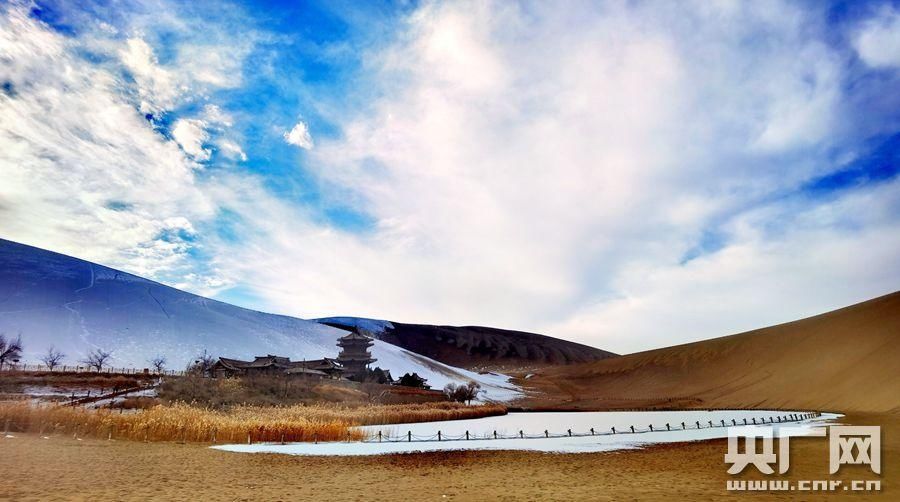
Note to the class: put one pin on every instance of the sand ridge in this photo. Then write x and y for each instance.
(844, 360)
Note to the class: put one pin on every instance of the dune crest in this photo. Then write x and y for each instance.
(844, 360)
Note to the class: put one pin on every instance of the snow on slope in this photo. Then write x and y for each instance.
(399, 360)
(77, 306)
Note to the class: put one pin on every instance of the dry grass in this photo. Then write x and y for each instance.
(270, 390)
(178, 422)
(181, 422)
(15, 381)
(400, 413)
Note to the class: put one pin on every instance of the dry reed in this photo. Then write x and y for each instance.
(182, 422)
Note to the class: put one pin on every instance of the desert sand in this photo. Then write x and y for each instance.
(61, 468)
(845, 360)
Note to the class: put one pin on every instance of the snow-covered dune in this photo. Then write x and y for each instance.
(77, 306)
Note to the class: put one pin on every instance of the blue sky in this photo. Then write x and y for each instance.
(627, 175)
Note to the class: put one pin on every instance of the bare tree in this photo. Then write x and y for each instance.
(10, 349)
(158, 363)
(52, 358)
(202, 364)
(462, 393)
(97, 358)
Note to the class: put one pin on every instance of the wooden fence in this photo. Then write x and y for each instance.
(409, 437)
(40, 368)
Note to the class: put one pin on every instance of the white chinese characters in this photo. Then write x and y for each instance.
(852, 445)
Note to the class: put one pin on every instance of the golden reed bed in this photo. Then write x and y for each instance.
(182, 422)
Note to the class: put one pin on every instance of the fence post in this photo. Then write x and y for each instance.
(409, 436)
(723, 422)
(546, 434)
(754, 421)
(249, 440)
(379, 436)
(521, 435)
(667, 427)
(214, 435)
(613, 429)
(495, 434)
(282, 437)
(632, 429)
(682, 426)
(570, 432)
(439, 435)
(651, 427)
(710, 423)
(316, 437)
(467, 435)
(592, 431)
(698, 423)
(745, 421)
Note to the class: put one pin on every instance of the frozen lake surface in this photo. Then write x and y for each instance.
(556, 424)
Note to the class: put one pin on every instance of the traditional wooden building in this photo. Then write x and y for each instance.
(413, 380)
(355, 357)
(276, 365)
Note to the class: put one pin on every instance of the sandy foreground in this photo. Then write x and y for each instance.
(61, 468)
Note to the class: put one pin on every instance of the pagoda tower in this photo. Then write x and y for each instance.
(355, 356)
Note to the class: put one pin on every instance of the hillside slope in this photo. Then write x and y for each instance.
(477, 348)
(77, 306)
(845, 360)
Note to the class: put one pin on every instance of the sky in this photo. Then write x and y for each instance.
(628, 175)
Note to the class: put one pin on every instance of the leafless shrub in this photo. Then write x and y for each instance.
(97, 359)
(52, 358)
(462, 393)
(158, 363)
(10, 349)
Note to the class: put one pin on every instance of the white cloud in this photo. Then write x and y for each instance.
(878, 40)
(530, 169)
(83, 172)
(527, 167)
(231, 150)
(191, 135)
(299, 136)
(158, 87)
(215, 115)
(217, 65)
(835, 254)
(196, 69)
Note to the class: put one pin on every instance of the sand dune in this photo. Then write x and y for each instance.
(845, 360)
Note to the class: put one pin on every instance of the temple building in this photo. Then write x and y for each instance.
(276, 365)
(355, 356)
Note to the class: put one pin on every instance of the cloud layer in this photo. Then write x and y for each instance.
(624, 175)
